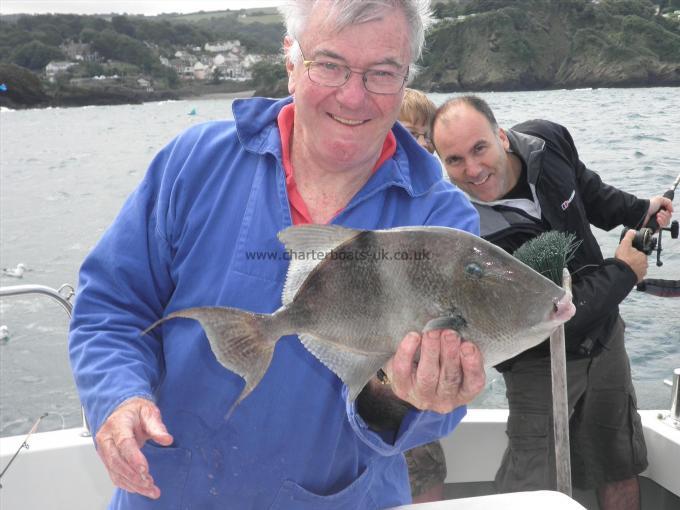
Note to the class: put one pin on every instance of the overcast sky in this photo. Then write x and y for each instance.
(148, 7)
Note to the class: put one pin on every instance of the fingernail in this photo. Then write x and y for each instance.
(467, 349)
(449, 335)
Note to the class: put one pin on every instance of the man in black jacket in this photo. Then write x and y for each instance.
(525, 181)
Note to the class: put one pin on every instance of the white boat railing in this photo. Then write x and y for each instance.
(62, 295)
(674, 415)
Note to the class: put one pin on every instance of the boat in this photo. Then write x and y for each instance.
(61, 470)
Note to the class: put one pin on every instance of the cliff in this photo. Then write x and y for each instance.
(23, 88)
(540, 44)
(477, 45)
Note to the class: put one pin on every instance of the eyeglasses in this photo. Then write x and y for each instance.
(418, 134)
(411, 128)
(330, 74)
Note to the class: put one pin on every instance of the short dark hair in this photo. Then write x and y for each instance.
(473, 102)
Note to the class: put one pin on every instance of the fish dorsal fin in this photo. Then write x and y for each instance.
(431, 228)
(354, 368)
(307, 245)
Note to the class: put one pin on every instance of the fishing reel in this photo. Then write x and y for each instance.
(647, 243)
(643, 241)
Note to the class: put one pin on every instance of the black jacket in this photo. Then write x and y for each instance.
(571, 199)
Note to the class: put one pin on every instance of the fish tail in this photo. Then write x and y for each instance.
(242, 342)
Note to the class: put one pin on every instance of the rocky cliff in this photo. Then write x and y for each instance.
(539, 44)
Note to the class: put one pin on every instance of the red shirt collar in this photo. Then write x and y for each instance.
(298, 208)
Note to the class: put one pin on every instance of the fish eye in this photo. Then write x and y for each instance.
(474, 271)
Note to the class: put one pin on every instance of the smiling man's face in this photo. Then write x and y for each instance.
(345, 127)
(474, 154)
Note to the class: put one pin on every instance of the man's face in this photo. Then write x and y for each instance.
(421, 132)
(474, 154)
(345, 127)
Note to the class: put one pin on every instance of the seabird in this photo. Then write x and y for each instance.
(17, 272)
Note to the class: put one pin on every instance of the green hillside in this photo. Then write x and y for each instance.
(475, 45)
(537, 44)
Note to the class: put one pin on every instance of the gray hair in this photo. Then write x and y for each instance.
(343, 13)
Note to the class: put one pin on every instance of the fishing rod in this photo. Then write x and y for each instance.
(24, 444)
(645, 241)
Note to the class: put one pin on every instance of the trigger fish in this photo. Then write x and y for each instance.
(352, 308)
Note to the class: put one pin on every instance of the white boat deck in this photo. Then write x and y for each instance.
(61, 469)
(537, 500)
(474, 450)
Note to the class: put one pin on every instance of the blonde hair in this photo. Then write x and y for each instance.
(417, 108)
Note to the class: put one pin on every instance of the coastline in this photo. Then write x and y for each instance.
(23, 90)
(220, 95)
(150, 99)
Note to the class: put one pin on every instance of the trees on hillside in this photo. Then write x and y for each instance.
(35, 55)
(127, 38)
(115, 46)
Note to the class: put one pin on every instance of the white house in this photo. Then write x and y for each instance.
(56, 67)
(225, 46)
(199, 71)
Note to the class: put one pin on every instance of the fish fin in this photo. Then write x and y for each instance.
(419, 229)
(242, 342)
(455, 322)
(308, 245)
(354, 368)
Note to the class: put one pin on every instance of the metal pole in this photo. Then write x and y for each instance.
(16, 290)
(62, 296)
(558, 369)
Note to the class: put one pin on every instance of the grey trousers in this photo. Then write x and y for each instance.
(604, 427)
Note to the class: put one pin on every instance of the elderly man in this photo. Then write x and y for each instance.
(216, 195)
(524, 181)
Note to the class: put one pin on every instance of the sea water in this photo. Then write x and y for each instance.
(65, 172)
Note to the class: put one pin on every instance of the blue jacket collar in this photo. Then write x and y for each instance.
(411, 167)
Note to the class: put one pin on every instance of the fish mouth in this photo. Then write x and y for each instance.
(347, 122)
(563, 309)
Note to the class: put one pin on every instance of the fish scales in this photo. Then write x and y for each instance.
(352, 308)
(367, 321)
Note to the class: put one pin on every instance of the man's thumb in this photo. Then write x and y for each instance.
(154, 426)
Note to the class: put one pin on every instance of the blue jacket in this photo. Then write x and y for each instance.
(211, 199)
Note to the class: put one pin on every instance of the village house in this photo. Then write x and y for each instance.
(200, 71)
(81, 52)
(230, 63)
(221, 47)
(56, 67)
(145, 84)
(183, 64)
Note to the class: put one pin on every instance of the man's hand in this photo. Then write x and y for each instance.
(636, 259)
(449, 373)
(119, 441)
(663, 208)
